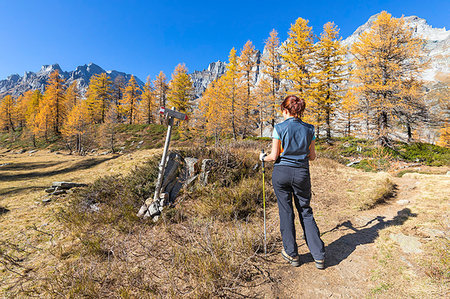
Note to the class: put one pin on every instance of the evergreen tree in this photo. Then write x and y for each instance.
(266, 108)
(297, 54)
(161, 87)
(180, 90)
(7, 113)
(21, 108)
(329, 73)
(271, 67)
(130, 101)
(148, 102)
(247, 68)
(99, 97)
(53, 108)
(213, 113)
(32, 111)
(76, 126)
(349, 109)
(232, 93)
(73, 95)
(118, 89)
(387, 68)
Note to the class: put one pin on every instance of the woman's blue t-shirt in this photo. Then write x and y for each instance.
(296, 137)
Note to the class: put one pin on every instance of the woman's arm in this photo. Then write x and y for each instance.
(312, 151)
(276, 148)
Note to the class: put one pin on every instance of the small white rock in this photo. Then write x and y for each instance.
(403, 202)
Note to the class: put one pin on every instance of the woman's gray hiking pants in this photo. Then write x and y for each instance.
(292, 182)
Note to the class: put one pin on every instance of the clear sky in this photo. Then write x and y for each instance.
(144, 37)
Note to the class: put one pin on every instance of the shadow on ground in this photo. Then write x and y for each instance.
(85, 164)
(15, 190)
(27, 166)
(340, 249)
(3, 210)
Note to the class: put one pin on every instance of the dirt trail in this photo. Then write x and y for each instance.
(362, 260)
(352, 248)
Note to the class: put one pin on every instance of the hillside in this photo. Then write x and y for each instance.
(386, 236)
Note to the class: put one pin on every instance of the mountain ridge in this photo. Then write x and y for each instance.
(436, 50)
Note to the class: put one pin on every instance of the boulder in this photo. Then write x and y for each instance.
(408, 244)
(206, 169)
(66, 185)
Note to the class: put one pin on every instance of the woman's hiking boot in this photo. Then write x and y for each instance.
(294, 261)
(320, 264)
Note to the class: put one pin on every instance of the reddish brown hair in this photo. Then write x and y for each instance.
(294, 105)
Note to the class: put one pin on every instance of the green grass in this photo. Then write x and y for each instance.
(375, 158)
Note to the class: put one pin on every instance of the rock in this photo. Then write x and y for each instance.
(59, 192)
(201, 79)
(191, 166)
(4, 164)
(17, 85)
(32, 151)
(140, 142)
(171, 170)
(94, 207)
(190, 180)
(352, 163)
(407, 244)
(21, 151)
(50, 190)
(403, 202)
(66, 185)
(105, 153)
(153, 209)
(47, 200)
(206, 169)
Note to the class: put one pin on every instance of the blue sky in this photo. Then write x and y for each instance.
(144, 37)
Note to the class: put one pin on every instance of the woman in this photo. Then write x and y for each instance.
(292, 149)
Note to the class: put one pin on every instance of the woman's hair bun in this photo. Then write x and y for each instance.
(294, 105)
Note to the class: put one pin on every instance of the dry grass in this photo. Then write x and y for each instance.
(210, 243)
(425, 274)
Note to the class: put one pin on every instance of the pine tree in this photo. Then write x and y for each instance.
(32, 112)
(271, 67)
(73, 95)
(349, 109)
(21, 108)
(213, 113)
(264, 94)
(247, 62)
(148, 102)
(329, 74)
(53, 105)
(130, 101)
(232, 90)
(8, 113)
(161, 87)
(76, 126)
(387, 67)
(118, 89)
(297, 52)
(99, 97)
(180, 91)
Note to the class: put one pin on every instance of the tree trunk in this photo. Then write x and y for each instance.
(328, 127)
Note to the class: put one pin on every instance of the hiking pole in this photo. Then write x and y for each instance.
(264, 206)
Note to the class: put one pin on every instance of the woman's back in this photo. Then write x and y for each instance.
(296, 137)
